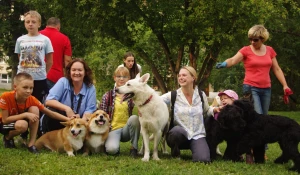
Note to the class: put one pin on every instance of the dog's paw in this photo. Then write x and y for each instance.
(145, 159)
(156, 158)
(141, 152)
(85, 154)
(165, 152)
(70, 154)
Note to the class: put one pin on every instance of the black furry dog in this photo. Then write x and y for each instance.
(215, 134)
(260, 130)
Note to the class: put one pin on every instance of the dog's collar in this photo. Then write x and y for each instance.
(147, 101)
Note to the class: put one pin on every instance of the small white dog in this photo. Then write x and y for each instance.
(153, 112)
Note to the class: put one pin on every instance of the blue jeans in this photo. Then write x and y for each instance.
(261, 98)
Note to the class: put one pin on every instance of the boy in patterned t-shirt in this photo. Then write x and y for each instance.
(20, 111)
(35, 54)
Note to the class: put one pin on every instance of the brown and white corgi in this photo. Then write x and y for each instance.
(98, 129)
(68, 139)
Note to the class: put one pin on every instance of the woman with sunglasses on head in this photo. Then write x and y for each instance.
(258, 59)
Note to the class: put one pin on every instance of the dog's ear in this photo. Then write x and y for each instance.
(65, 123)
(106, 115)
(137, 76)
(88, 117)
(145, 78)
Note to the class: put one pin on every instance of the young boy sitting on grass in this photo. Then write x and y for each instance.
(20, 111)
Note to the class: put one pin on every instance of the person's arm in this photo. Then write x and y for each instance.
(6, 119)
(55, 115)
(56, 93)
(238, 57)
(278, 73)
(60, 106)
(208, 110)
(103, 105)
(49, 61)
(166, 98)
(90, 101)
(67, 60)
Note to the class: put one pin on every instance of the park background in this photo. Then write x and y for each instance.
(165, 35)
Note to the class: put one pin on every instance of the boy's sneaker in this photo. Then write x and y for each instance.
(8, 143)
(33, 149)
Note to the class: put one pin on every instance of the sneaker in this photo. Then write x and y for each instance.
(33, 150)
(249, 159)
(9, 143)
(175, 152)
(133, 153)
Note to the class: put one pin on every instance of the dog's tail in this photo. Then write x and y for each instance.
(165, 130)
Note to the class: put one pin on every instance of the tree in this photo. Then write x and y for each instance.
(167, 34)
(11, 27)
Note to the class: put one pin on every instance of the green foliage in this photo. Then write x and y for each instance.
(106, 56)
(165, 35)
(11, 27)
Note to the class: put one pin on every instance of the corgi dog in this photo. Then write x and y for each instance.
(98, 129)
(68, 139)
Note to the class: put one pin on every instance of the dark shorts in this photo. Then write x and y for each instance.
(49, 124)
(4, 129)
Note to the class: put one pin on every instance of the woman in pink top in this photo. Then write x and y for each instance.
(258, 60)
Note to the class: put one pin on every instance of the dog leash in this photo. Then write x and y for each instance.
(287, 93)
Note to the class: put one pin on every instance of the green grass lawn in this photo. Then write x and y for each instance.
(20, 161)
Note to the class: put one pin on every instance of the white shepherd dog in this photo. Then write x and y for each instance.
(153, 112)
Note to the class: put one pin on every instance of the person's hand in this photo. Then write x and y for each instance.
(70, 113)
(221, 65)
(32, 117)
(287, 93)
(218, 109)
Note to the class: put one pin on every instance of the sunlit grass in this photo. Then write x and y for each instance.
(20, 161)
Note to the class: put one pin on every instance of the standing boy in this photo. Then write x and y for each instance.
(62, 50)
(20, 111)
(35, 54)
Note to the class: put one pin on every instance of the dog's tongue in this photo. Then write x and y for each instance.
(75, 135)
(123, 97)
(101, 122)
